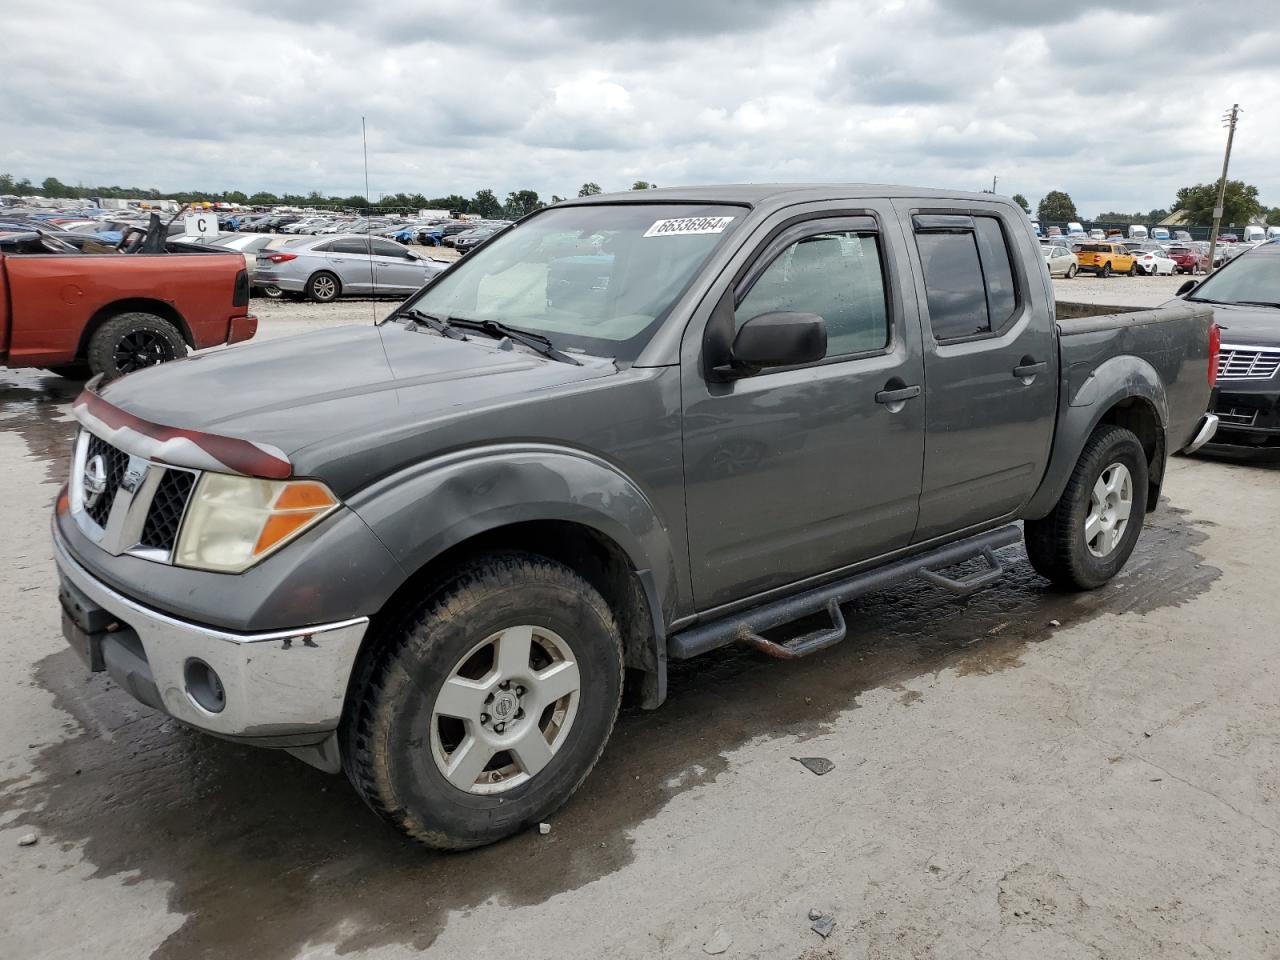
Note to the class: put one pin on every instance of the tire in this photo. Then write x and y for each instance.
(1072, 271)
(1133, 269)
(131, 341)
(1058, 545)
(271, 292)
(1105, 271)
(398, 746)
(323, 287)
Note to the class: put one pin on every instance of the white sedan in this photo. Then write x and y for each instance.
(1060, 261)
(1155, 263)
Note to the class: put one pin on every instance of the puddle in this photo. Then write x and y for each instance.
(265, 855)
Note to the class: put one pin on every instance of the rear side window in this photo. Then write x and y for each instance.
(350, 245)
(953, 285)
(969, 279)
(997, 268)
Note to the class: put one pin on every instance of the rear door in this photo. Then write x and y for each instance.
(990, 366)
(798, 471)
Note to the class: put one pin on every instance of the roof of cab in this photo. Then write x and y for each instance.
(780, 194)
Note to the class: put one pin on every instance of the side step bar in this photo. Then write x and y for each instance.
(747, 627)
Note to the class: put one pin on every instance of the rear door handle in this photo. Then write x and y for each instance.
(1023, 371)
(897, 396)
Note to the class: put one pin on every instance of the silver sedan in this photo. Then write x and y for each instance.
(325, 268)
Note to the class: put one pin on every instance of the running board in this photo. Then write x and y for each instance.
(747, 627)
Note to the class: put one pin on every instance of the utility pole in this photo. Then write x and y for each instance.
(1229, 121)
(994, 180)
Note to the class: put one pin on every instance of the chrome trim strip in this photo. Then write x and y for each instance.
(1208, 427)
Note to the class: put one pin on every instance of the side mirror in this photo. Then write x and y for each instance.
(779, 340)
(1186, 288)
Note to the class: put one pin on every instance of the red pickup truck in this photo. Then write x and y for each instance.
(112, 313)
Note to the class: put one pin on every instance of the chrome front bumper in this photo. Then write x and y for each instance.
(280, 688)
(1204, 433)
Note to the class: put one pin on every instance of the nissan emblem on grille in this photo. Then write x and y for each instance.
(95, 479)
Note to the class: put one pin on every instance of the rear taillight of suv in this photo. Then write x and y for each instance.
(282, 257)
(1215, 349)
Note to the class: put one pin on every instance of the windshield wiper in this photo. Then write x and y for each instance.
(534, 341)
(1257, 303)
(441, 325)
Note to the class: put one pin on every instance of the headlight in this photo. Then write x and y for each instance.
(233, 522)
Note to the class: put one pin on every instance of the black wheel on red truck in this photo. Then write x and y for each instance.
(131, 341)
(482, 706)
(1089, 534)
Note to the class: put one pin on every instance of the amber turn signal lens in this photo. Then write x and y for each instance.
(279, 526)
(304, 495)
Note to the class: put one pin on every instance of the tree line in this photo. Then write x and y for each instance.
(485, 203)
(1240, 206)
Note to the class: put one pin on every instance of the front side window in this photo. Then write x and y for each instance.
(953, 285)
(834, 275)
(600, 278)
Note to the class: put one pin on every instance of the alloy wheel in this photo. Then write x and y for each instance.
(1110, 504)
(505, 710)
(139, 349)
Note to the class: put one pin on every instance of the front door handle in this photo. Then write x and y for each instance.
(1029, 368)
(898, 395)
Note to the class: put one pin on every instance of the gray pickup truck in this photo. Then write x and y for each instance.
(629, 429)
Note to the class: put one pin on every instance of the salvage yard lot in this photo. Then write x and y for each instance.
(1048, 775)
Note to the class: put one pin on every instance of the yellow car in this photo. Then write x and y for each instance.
(1105, 258)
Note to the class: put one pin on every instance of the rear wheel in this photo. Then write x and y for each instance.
(323, 287)
(482, 711)
(1094, 527)
(1106, 270)
(132, 341)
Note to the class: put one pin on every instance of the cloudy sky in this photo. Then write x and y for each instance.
(1117, 103)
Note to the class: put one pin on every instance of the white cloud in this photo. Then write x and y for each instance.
(1119, 108)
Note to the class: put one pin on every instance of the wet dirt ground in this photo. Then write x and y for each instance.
(1025, 774)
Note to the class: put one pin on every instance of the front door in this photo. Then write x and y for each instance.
(991, 367)
(794, 472)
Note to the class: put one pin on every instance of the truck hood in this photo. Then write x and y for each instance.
(323, 389)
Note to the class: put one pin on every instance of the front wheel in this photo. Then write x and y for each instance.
(1071, 271)
(1133, 270)
(482, 711)
(1093, 528)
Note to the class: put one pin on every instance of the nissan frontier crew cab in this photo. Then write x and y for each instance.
(629, 429)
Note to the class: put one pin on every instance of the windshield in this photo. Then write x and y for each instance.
(1251, 279)
(594, 278)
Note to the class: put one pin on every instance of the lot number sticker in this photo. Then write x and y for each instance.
(685, 226)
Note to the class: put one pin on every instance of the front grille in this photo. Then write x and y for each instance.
(116, 462)
(160, 530)
(1248, 363)
(1237, 416)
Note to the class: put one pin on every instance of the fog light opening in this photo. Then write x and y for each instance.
(204, 686)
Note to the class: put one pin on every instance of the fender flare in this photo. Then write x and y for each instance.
(424, 510)
(1113, 381)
